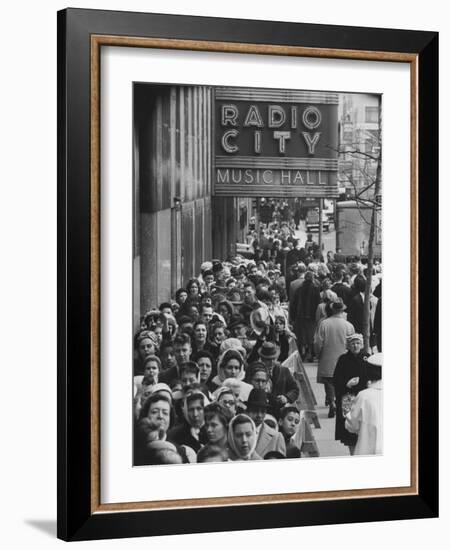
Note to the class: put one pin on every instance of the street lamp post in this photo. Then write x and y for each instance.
(320, 224)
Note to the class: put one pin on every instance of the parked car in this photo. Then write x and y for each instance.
(312, 221)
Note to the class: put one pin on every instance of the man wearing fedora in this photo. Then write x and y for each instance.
(284, 388)
(268, 439)
(330, 342)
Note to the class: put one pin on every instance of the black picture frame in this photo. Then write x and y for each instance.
(76, 476)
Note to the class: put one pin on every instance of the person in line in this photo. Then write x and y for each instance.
(181, 296)
(207, 367)
(191, 431)
(144, 346)
(144, 383)
(167, 355)
(193, 291)
(290, 428)
(242, 438)
(206, 313)
(217, 418)
(262, 331)
(303, 314)
(268, 439)
(162, 452)
(200, 337)
(283, 337)
(284, 388)
(226, 310)
(154, 422)
(218, 334)
(239, 329)
(152, 368)
(182, 350)
(230, 365)
(251, 302)
(161, 389)
(225, 397)
(258, 376)
(212, 453)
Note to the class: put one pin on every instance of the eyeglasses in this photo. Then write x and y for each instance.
(228, 403)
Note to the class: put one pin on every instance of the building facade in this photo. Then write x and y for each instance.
(203, 156)
(359, 142)
(172, 179)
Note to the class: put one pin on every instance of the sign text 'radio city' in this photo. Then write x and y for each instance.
(274, 122)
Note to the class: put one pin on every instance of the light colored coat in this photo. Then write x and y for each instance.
(269, 440)
(366, 419)
(330, 343)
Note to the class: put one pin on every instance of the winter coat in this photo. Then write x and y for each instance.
(366, 420)
(283, 383)
(181, 435)
(347, 367)
(355, 313)
(330, 343)
(269, 440)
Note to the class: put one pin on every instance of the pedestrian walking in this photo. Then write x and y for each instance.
(349, 379)
(330, 344)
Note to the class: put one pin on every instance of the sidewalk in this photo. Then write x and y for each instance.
(324, 435)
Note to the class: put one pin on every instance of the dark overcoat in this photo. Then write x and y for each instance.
(348, 366)
(181, 435)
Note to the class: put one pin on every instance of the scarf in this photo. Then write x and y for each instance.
(231, 441)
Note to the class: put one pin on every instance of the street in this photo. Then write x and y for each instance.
(328, 237)
(324, 435)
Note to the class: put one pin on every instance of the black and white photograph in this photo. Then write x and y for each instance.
(257, 274)
(204, 204)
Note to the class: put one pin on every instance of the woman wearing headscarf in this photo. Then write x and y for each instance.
(242, 438)
(225, 397)
(349, 379)
(144, 383)
(229, 365)
(145, 344)
(241, 390)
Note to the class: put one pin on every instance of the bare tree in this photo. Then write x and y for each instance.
(367, 197)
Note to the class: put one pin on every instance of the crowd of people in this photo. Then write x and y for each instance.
(211, 381)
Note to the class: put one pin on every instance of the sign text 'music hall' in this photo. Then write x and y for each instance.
(277, 139)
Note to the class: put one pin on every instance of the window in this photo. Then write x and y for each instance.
(372, 114)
